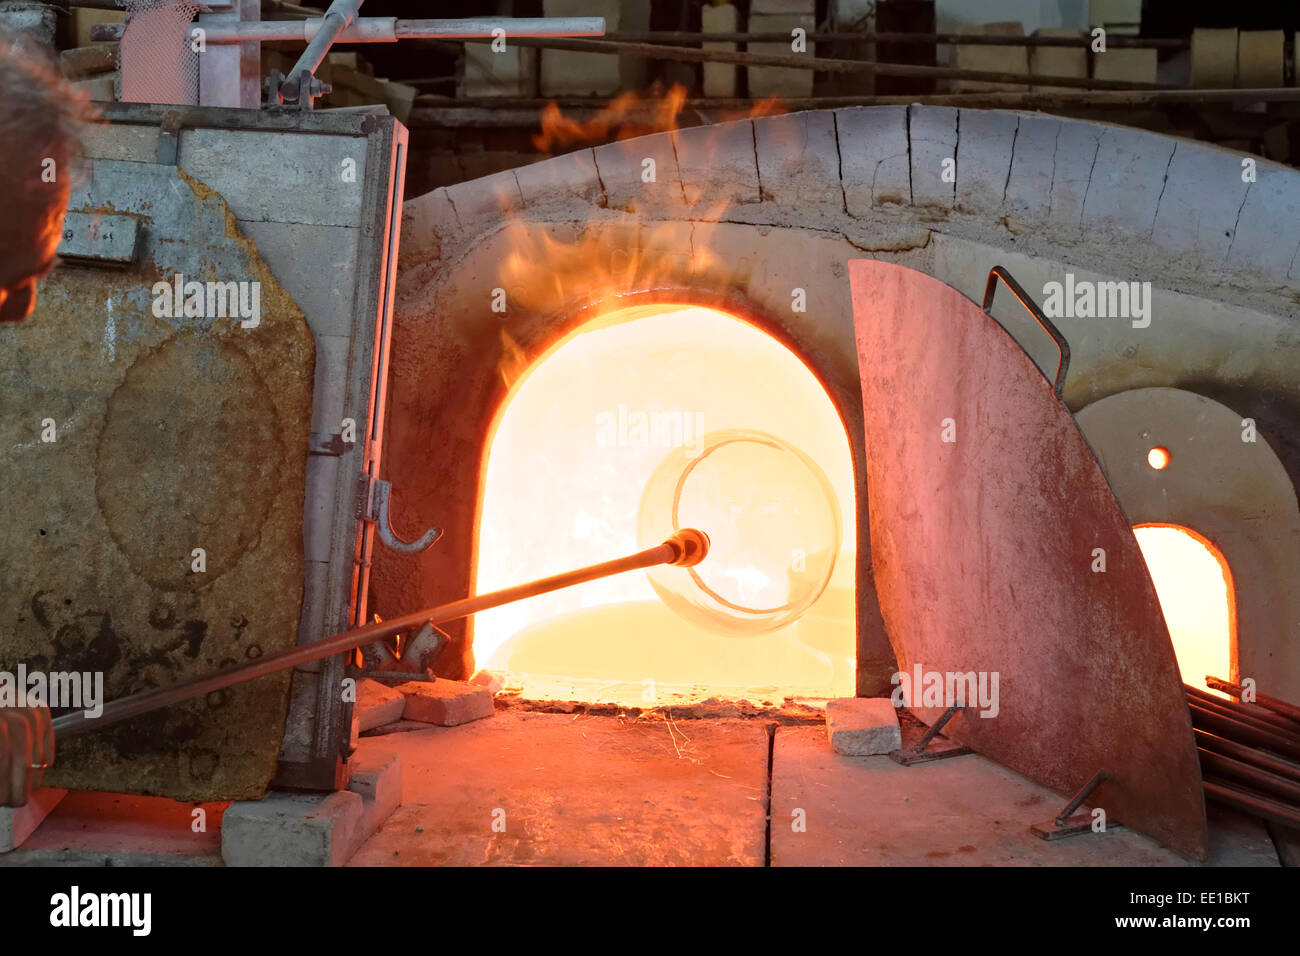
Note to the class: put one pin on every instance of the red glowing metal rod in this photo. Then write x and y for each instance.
(686, 548)
(1290, 711)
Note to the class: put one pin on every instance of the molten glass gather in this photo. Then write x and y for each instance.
(771, 516)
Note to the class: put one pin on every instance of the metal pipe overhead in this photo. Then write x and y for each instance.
(387, 29)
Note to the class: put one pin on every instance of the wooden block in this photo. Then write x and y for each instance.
(510, 73)
(1002, 59)
(776, 80)
(17, 824)
(581, 74)
(83, 20)
(1059, 60)
(1117, 16)
(719, 78)
(85, 62)
(352, 61)
(1260, 58)
(446, 702)
(400, 98)
(1132, 66)
(1214, 58)
(100, 89)
(353, 88)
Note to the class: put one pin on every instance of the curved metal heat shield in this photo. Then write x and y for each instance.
(984, 550)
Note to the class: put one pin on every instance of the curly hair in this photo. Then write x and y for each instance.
(41, 113)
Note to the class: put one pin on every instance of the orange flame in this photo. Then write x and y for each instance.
(512, 363)
(549, 268)
(625, 116)
(631, 114)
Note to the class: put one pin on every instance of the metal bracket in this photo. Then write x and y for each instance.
(302, 86)
(379, 494)
(420, 653)
(327, 445)
(425, 647)
(1065, 824)
(169, 139)
(311, 88)
(941, 751)
(378, 656)
(990, 289)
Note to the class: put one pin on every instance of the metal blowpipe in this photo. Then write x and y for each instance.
(686, 548)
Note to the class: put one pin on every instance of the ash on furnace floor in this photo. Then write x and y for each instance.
(541, 788)
(529, 788)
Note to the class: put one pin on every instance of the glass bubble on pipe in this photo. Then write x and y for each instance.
(772, 519)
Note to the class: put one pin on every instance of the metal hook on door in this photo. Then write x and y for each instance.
(1023, 297)
(383, 525)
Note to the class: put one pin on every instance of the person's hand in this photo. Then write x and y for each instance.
(26, 749)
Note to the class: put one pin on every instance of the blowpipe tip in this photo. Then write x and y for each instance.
(692, 547)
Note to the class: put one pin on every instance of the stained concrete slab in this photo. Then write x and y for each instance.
(18, 823)
(91, 828)
(314, 829)
(862, 726)
(1237, 839)
(378, 705)
(577, 790)
(291, 829)
(965, 811)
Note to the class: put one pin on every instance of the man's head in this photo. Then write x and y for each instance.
(40, 120)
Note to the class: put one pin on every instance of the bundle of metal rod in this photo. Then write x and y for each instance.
(1282, 786)
(1250, 756)
(565, 33)
(1243, 753)
(1252, 803)
(686, 548)
(1251, 713)
(800, 61)
(1278, 706)
(1224, 723)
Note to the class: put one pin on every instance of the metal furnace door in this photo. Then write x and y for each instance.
(194, 479)
(999, 548)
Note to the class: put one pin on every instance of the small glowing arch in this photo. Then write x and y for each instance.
(1194, 584)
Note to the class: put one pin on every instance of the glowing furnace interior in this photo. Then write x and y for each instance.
(1194, 585)
(571, 456)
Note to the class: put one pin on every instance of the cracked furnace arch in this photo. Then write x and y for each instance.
(740, 215)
